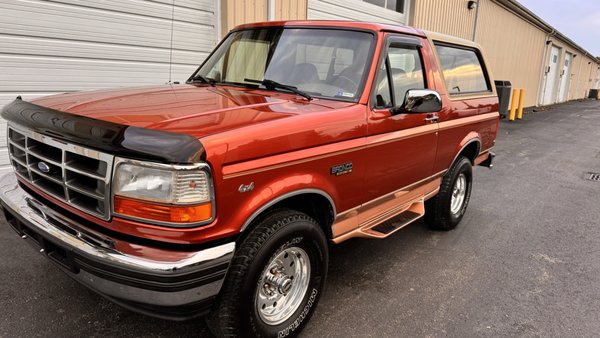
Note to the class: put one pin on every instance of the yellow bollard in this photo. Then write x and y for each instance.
(511, 115)
(521, 99)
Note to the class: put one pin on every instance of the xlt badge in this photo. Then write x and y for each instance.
(341, 169)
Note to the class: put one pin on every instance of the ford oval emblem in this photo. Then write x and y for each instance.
(43, 167)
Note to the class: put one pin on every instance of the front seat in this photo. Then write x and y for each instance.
(304, 73)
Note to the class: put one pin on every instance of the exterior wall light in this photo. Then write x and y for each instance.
(472, 5)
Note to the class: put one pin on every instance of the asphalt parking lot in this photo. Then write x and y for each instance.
(524, 261)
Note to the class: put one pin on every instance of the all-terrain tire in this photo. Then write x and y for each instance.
(440, 211)
(237, 311)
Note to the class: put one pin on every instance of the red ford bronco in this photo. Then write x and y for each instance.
(220, 196)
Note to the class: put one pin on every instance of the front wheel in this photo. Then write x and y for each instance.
(275, 279)
(446, 210)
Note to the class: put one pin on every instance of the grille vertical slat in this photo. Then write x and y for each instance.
(73, 174)
(64, 175)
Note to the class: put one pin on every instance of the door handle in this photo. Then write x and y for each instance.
(432, 119)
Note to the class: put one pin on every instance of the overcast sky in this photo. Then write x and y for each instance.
(577, 19)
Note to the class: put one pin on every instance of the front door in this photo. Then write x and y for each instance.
(549, 93)
(565, 78)
(401, 147)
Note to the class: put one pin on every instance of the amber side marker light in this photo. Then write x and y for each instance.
(163, 213)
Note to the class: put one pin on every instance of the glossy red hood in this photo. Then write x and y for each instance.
(196, 110)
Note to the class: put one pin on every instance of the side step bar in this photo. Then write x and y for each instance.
(415, 211)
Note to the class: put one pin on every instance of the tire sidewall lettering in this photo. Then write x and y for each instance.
(292, 327)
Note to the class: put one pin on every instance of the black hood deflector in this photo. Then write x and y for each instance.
(120, 140)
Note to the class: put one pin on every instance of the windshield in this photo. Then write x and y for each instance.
(321, 62)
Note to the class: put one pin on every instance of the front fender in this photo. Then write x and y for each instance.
(268, 190)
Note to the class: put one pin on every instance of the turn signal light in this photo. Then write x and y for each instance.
(163, 213)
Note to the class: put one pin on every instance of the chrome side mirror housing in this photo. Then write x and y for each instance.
(418, 101)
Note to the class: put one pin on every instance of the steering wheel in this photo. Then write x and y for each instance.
(347, 80)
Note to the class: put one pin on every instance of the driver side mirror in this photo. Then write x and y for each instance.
(418, 101)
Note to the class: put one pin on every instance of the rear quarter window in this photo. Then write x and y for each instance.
(463, 70)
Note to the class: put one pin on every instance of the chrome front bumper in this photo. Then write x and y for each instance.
(166, 283)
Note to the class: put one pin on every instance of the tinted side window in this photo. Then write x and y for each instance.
(406, 71)
(462, 70)
(403, 65)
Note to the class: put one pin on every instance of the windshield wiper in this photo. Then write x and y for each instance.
(270, 84)
(204, 79)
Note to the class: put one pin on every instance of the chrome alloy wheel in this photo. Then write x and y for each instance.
(283, 285)
(458, 194)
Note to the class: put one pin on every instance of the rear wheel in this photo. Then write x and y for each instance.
(446, 210)
(275, 279)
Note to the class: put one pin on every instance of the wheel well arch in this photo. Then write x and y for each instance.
(313, 202)
(470, 150)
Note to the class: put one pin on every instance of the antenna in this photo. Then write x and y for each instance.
(171, 47)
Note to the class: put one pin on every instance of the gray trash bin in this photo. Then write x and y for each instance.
(503, 90)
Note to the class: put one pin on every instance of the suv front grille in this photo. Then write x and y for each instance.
(76, 175)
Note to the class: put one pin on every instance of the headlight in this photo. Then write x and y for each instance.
(173, 194)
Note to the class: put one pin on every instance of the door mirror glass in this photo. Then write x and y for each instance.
(419, 101)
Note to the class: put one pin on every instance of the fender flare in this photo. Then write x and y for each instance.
(468, 140)
(282, 197)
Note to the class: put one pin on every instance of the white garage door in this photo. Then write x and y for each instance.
(55, 46)
(380, 11)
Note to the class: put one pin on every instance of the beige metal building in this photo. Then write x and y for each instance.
(519, 46)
